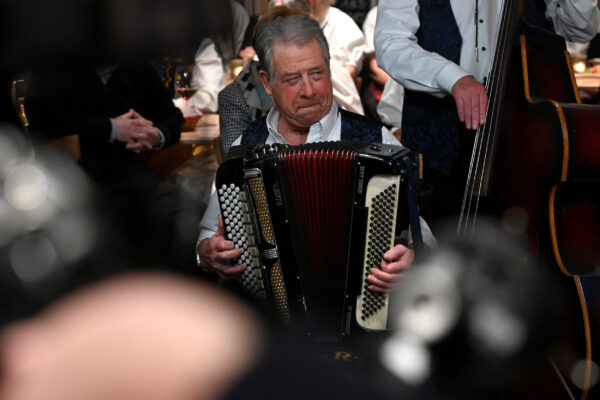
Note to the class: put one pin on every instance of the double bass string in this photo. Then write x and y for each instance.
(494, 90)
(484, 135)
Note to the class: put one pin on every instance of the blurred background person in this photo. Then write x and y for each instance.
(211, 62)
(347, 46)
(123, 111)
(381, 96)
(373, 77)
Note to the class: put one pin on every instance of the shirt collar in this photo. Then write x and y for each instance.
(320, 131)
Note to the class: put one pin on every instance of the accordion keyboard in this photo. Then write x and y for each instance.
(240, 230)
(382, 201)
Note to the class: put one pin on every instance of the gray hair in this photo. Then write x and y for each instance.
(293, 29)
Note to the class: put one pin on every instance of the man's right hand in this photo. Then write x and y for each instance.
(471, 101)
(215, 253)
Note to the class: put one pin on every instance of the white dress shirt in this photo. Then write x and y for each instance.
(390, 104)
(208, 77)
(368, 29)
(347, 48)
(346, 41)
(211, 67)
(400, 56)
(389, 107)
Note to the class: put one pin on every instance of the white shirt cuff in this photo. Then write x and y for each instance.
(449, 75)
(113, 131)
(162, 140)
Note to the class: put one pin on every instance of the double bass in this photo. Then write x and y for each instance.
(536, 163)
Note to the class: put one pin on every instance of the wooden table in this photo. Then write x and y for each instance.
(206, 131)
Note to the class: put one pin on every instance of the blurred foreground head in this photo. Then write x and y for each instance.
(139, 336)
(476, 317)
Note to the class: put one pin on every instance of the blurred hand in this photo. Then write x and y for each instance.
(395, 261)
(137, 132)
(471, 101)
(216, 251)
(377, 74)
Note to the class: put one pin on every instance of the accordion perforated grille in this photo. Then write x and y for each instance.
(260, 200)
(372, 306)
(279, 292)
(380, 231)
(276, 278)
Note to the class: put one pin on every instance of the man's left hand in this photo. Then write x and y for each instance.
(395, 261)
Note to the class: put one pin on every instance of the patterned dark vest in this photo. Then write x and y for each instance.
(355, 128)
(430, 125)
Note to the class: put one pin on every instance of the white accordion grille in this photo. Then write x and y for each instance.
(382, 200)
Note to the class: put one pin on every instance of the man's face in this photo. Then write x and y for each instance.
(301, 86)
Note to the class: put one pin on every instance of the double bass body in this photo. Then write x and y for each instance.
(545, 167)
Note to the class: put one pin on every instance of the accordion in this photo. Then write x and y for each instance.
(312, 221)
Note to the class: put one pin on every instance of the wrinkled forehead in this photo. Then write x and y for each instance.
(290, 55)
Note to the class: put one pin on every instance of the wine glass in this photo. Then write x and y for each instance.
(183, 83)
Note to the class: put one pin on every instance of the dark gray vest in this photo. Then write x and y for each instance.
(355, 128)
